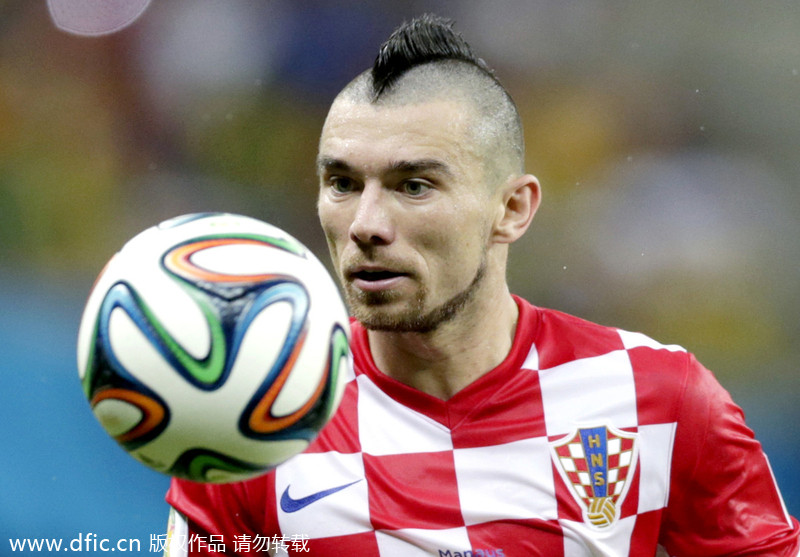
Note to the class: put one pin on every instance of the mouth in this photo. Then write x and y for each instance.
(374, 279)
(375, 275)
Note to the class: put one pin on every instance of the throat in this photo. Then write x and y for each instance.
(443, 362)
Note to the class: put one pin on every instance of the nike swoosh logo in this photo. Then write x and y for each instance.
(290, 505)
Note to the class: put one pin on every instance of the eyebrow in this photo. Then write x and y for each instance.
(417, 166)
(331, 164)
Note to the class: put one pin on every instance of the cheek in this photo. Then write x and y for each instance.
(334, 229)
(467, 227)
(459, 245)
(332, 217)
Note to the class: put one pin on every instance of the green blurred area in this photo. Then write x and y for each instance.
(665, 136)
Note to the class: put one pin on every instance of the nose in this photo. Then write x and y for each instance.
(372, 224)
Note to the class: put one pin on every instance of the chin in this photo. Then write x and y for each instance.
(387, 315)
(382, 318)
(395, 325)
(374, 309)
(408, 320)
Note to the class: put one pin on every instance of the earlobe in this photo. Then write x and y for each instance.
(521, 198)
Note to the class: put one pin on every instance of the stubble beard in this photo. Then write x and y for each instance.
(367, 308)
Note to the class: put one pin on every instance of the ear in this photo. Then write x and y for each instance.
(520, 197)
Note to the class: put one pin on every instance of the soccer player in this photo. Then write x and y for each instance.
(477, 424)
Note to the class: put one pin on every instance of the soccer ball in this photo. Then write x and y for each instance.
(213, 347)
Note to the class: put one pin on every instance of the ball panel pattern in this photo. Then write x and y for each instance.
(205, 373)
(602, 511)
(209, 466)
(107, 378)
(152, 411)
(257, 419)
(178, 261)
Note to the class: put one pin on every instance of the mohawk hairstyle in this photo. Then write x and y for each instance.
(425, 60)
(425, 39)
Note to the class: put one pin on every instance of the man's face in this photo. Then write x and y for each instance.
(405, 210)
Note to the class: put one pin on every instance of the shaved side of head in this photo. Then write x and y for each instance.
(426, 60)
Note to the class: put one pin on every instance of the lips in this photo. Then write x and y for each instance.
(375, 278)
(375, 275)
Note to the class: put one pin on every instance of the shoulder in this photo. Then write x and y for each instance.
(561, 338)
(232, 508)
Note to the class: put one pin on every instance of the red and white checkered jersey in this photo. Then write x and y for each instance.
(586, 440)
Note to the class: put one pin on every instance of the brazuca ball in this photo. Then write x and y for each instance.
(213, 347)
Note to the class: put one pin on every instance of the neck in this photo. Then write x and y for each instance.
(442, 362)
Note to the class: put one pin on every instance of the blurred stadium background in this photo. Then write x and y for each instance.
(665, 135)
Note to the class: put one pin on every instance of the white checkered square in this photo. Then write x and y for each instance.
(579, 537)
(576, 450)
(532, 359)
(598, 390)
(509, 481)
(343, 512)
(655, 456)
(387, 427)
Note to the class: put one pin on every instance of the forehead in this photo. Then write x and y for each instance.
(370, 136)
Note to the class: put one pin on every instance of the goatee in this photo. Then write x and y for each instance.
(366, 308)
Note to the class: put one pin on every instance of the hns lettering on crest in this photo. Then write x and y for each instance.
(597, 464)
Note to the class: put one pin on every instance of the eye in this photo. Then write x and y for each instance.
(341, 184)
(415, 188)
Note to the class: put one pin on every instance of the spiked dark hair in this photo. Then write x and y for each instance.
(426, 39)
(426, 59)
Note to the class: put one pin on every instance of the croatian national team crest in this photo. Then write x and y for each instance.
(597, 464)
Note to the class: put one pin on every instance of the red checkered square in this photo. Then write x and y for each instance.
(342, 431)
(655, 373)
(413, 491)
(622, 473)
(564, 338)
(514, 537)
(341, 545)
(478, 422)
(630, 505)
(645, 533)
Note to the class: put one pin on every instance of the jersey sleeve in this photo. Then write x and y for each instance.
(223, 519)
(723, 497)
